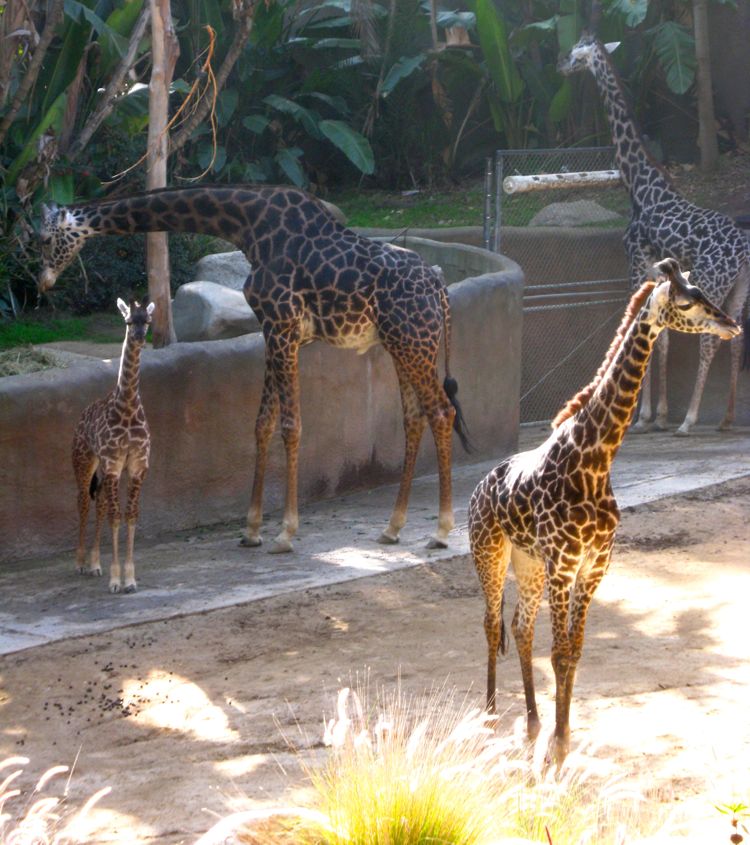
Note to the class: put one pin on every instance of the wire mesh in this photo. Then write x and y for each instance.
(569, 245)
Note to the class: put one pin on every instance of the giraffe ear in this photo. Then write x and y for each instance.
(611, 46)
(150, 308)
(124, 310)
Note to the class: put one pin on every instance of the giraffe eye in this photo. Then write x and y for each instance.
(685, 306)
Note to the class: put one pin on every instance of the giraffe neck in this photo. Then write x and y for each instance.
(126, 393)
(605, 418)
(644, 179)
(251, 217)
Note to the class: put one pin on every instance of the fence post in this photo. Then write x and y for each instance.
(498, 199)
(488, 172)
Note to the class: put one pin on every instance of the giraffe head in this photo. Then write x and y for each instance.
(584, 55)
(61, 237)
(676, 304)
(137, 317)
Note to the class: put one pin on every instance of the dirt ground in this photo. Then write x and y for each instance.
(189, 717)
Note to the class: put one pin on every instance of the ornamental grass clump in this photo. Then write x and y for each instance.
(416, 771)
(36, 817)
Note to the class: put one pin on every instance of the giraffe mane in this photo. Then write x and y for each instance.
(580, 400)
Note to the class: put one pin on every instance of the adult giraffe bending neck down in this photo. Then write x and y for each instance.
(550, 512)
(312, 279)
(664, 224)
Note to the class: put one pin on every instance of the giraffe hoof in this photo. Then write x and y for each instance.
(682, 431)
(725, 426)
(436, 543)
(130, 588)
(114, 587)
(387, 539)
(251, 542)
(281, 546)
(641, 427)
(661, 425)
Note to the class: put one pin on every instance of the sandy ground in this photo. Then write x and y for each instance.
(187, 717)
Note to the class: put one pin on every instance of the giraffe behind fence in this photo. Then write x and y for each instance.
(550, 512)
(112, 437)
(664, 224)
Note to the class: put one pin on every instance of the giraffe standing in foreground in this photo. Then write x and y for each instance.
(551, 512)
(111, 437)
(312, 279)
(665, 224)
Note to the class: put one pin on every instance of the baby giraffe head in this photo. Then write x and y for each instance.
(137, 317)
(676, 304)
(61, 237)
(584, 54)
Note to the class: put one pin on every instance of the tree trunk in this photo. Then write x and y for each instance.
(706, 119)
(165, 50)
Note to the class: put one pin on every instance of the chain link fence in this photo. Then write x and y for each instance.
(569, 243)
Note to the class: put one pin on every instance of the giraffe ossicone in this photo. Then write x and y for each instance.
(111, 439)
(550, 512)
(664, 224)
(312, 279)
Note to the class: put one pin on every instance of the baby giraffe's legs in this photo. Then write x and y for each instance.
(111, 494)
(129, 584)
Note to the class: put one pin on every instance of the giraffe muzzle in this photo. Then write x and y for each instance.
(46, 280)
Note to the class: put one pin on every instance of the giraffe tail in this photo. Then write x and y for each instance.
(450, 385)
(503, 629)
(746, 345)
(94, 485)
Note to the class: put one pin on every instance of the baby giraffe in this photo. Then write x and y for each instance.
(112, 435)
(551, 512)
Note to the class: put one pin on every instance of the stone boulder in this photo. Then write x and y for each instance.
(575, 213)
(209, 311)
(229, 269)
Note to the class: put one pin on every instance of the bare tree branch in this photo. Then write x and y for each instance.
(107, 101)
(35, 65)
(244, 28)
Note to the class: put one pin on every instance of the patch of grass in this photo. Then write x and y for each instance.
(413, 772)
(96, 328)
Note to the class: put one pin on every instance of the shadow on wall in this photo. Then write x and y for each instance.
(201, 400)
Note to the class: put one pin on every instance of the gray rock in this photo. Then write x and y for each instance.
(209, 311)
(576, 213)
(229, 269)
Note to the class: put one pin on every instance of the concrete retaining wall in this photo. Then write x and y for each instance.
(201, 400)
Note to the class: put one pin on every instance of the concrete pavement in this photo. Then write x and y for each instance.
(43, 600)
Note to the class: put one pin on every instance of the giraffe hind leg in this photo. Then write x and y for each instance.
(84, 465)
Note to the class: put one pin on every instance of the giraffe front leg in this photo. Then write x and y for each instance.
(83, 512)
(662, 408)
(264, 428)
(529, 573)
(442, 431)
(414, 425)
(110, 492)
(560, 586)
(708, 346)
(129, 584)
(736, 347)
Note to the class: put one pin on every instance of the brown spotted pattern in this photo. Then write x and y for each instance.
(664, 224)
(312, 279)
(112, 438)
(550, 512)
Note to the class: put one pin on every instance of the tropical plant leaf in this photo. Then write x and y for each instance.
(468, 20)
(351, 143)
(559, 106)
(675, 49)
(206, 153)
(341, 43)
(308, 119)
(75, 11)
(52, 119)
(569, 24)
(122, 20)
(338, 104)
(494, 42)
(404, 67)
(533, 32)
(60, 188)
(634, 11)
(256, 123)
(226, 105)
(288, 161)
(255, 173)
